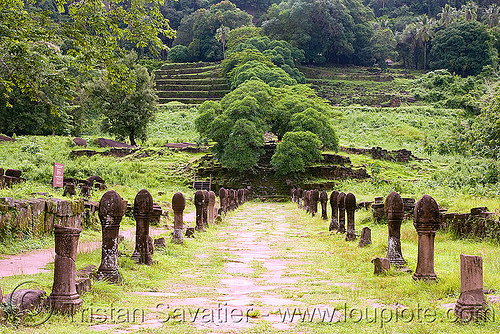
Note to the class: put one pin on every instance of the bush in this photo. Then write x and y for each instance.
(179, 54)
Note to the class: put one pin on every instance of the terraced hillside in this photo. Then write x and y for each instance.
(361, 85)
(190, 83)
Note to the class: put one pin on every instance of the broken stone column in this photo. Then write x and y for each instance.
(350, 207)
(314, 201)
(143, 209)
(334, 223)
(223, 199)
(323, 198)
(205, 208)
(341, 207)
(64, 297)
(366, 237)
(378, 210)
(426, 221)
(111, 210)
(178, 205)
(69, 189)
(381, 265)
(199, 198)
(394, 212)
(211, 207)
(471, 304)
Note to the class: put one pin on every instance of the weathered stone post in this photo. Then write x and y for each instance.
(178, 205)
(64, 297)
(240, 196)
(292, 194)
(426, 221)
(111, 210)
(199, 198)
(230, 199)
(341, 206)
(307, 200)
(314, 201)
(366, 237)
(323, 198)
(223, 199)
(334, 223)
(471, 304)
(350, 206)
(394, 212)
(211, 207)
(299, 193)
(205, 208)
(143, 208)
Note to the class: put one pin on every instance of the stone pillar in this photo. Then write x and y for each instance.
(314, 201)
(211, 207)
(230, 194)
(292, 194)
(111, 210)
(223, 199)
(394, 212)
(341, 206)
(334, 223)
(199, 198)
(205, 208)
(240, 196)
(307, 200)
(143, 209)
(64, 297)
(426, 221)
(350, 206)
(299, 193)
(366, 237)
(178, 205)
(471, 304)
(323, 198)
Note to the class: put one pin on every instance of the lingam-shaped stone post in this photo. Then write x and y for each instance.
(299, 195)
(205, 208)
(334, 223)
(111, 211)
(143, 208)
(314, 202)
(394, 211)
(307, 199)
(230, 199)
(350, 207)
(323, 198)
(223, 199)
(64, 297)
(240, 196)
(471, 304)
(292, 194)
(211, 207)
(178, 205)
(199, 198)
(341, 206)
(426, 221)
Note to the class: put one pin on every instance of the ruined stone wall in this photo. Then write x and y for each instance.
(37, 216)
(478, 224)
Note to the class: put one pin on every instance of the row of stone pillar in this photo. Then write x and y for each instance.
(230, 199)
(204, 202)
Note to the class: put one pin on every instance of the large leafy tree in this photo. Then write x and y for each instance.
(464, 47)
(326, 30)
(42, 53)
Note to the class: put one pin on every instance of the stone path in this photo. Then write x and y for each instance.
(34, 262)
(255, 278)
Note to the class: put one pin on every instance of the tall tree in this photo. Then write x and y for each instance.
(424, 33)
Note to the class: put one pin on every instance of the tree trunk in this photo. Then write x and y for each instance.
(425, 54)
(132, 138)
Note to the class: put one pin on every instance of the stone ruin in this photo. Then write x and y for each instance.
(223, 199)
(178, 205)
(111, 210)
(366, 237)
(314, 198)
(378, 210)
(199, 200)
(80, 142)
(334, 223)
(402, 155)
(350, 207)
(471, 305)
(341, 207)
(10, 177)
(394, 212)
(64, 297)
(426, 223)
(102, 142)
(143, 209)
(211, 207)
(323, 198)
